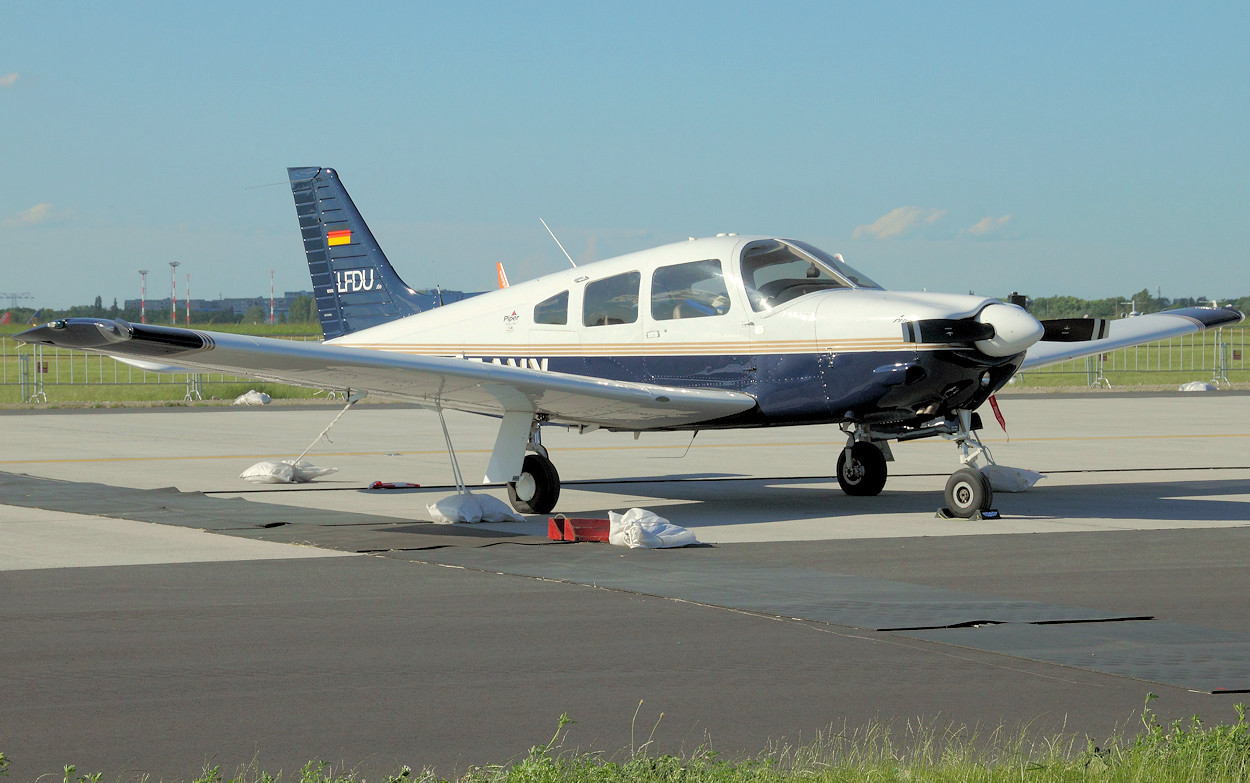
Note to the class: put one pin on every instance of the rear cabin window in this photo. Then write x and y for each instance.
(774, 273)
(692, 290)
(554, 310)
(612, 300)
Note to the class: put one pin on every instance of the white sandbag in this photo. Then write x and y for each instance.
(1005, 479)
(252, 397)
(286, 471)
(639, 528)
(456, 508)
(269, 473)
(1199, 386)
(468, 508)
(495, 510)
(306, 471)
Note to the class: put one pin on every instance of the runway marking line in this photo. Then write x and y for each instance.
(597, 448)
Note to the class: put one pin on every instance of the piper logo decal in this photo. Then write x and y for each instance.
(350, 281)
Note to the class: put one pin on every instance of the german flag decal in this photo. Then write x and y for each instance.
(338, 237)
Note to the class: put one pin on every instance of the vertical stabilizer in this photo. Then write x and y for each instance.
(355, 286)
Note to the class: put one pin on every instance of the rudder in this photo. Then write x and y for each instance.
(354, 284)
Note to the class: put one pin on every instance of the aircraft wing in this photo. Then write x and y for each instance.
(1126, 332)
(456, 384)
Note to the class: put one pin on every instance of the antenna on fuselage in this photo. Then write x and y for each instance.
(553, 236)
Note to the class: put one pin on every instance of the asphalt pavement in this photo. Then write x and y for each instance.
(160, 614)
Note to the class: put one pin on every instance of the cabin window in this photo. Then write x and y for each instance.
(554, 310)
(612, 300)
(774, 273)
(692, 290)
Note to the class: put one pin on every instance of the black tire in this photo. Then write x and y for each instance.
(539, 486)
(967, 492)
(864, 473)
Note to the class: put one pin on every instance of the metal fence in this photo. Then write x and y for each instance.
(1217, 356)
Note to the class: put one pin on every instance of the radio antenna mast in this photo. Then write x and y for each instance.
(553, 236)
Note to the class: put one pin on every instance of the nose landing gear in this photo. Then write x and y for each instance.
(968, 492)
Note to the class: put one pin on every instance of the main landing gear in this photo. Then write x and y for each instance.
(533, 482)
(862, 465)
(536, 488)
(861, 469)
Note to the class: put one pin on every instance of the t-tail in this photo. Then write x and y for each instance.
(355, 286)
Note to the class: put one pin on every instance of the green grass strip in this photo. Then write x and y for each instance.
(1183, 750)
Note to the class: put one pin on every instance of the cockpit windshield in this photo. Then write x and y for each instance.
(858, 278)
(775, 272)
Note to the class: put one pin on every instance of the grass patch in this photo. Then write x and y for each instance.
(1176, 751)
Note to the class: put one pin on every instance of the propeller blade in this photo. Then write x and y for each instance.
(1074, 330)
(947, 330)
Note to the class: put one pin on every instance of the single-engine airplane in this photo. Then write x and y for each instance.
(721, 332)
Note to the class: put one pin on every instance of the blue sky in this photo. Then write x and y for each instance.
(1088, 148)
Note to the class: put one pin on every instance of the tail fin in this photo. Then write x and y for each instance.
(503, 276)
(355, 286)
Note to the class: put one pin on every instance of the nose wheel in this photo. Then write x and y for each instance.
(968, 493)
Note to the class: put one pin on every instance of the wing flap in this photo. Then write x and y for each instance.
(458, 384)
(1127, 332)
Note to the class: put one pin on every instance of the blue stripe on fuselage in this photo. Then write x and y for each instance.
(813, 387)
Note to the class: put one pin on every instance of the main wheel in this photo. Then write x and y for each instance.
(967, 492)
(537, 489)
(864, 473)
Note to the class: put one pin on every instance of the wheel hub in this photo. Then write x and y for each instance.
(526, 487)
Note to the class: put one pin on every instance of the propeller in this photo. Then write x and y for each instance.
(997, 330)
(947, 330)
(1074, 330)
(1066, 330)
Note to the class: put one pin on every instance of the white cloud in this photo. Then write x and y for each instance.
(902, 221)
(8, 80)
(40, 214)
(988, 226)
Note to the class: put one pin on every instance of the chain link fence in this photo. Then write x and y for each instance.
(1217, 356)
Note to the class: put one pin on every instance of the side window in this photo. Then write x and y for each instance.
(613, 300)
(692, 290)
(554, 310)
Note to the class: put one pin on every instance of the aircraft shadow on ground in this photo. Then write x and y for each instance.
(749, 501)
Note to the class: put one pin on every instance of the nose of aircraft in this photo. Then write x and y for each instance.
(1014, 330)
